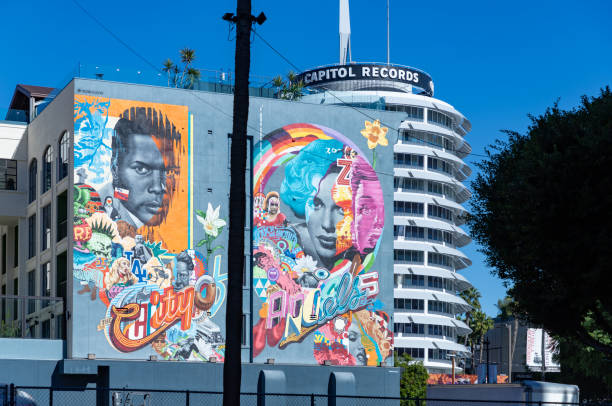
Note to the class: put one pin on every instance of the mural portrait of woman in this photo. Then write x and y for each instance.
(318, 276)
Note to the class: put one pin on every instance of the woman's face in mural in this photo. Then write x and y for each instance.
(369, 215)
(141, 170)
(322, 219)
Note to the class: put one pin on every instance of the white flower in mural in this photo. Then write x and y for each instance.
(212, 223)
(305, 264)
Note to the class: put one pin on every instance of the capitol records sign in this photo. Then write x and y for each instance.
(337, 73)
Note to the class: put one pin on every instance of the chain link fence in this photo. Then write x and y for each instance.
(43, 396)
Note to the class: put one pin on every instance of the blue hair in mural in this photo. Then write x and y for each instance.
(304, 172)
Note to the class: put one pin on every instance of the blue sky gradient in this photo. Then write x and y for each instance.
(496, 62)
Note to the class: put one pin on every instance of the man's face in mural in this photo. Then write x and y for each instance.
(273, 205)
(141, 170)
(182, 275)
(322, 219)
(369, 215)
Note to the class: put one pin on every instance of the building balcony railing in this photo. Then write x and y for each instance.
(32, 317)
(19, 116)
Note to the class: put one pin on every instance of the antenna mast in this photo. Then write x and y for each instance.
(345, 33)
(388, 52)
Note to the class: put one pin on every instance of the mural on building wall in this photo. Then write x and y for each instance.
(132, 240)
(318, 221)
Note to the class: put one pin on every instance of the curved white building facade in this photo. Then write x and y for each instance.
(429, 172)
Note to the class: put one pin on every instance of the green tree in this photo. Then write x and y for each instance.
(185, 76)
(476, 320)
(413, 379)
(539, 212)
(289, 88)
(9, 329)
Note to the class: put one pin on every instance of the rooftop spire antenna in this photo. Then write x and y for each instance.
(345, 32)
(388, 50)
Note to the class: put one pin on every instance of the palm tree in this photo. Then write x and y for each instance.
(187, 58)
(471, 296)
(168, 67)
(193, 74)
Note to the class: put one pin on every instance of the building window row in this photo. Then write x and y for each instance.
(440, 119)
(409, 328)
(63, 147)
(426, 138)
(434, 258)
(437, 354)
(435, 282)
(410, 160)
(408, 256)
(414, 113)
(439, 307)
(408, 304)
(433, 210)
(412, 208)
(418, 185)
(415, 232)
(440, 165)
(420, 329)
(415, 353)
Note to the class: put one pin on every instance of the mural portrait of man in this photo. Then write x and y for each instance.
(143, 166)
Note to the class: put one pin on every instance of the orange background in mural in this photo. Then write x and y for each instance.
(173, 230)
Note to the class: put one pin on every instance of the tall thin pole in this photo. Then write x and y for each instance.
(232, 373)
(543, 354)
(388, 50)
(509, 353)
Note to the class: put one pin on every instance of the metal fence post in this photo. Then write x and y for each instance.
(187, 398)
(312, 400)
(50, 396)
(418, 402)
(12, 395)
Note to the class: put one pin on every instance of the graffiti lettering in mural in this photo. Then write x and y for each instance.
(131, 219)
(318, 221)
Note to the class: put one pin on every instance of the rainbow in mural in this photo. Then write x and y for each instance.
(318, 220)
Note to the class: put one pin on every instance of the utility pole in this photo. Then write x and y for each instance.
(232, 373)
(486, 343)
(509, 352)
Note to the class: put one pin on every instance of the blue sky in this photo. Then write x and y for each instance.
(494, 61)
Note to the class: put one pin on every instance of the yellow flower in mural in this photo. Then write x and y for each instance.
(375, 134)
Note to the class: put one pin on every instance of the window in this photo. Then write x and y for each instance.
(8, 174)
(62, 215)
(413, 352)
(433, 258)
(441, 119)
(440, 212)
(15, 292)
(32, 181)
(413, 280)
(409, 328)
(45, 228)
(401, 207)
(439, 307)
(415, 161)
(434, 282)
(439, 235)
(16, 246)
(3, 254)
(408, 304)
(414, 113)
(409, 184)
(62, 156)
(31, 235)
(410, 232)
(436, 353)
(46, 329)
(425, 138)
(46, 174)
(243, 338)
(45, 279)
(61, 265)
(31, 291)
(408, 256)
(436, 164)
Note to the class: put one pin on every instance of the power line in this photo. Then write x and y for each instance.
(338, 98)
(221, 110)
